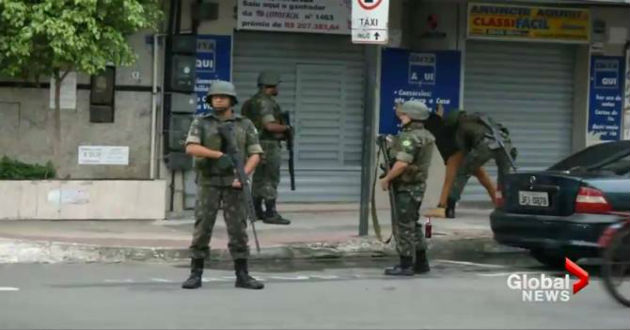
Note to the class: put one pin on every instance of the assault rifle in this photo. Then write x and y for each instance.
(288, 136)
(227, 133)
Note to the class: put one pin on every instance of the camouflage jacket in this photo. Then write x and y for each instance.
(470, 130)
(262, 109)
(413, 145)
(204, 130)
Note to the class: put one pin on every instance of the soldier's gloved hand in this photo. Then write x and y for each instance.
(224, 163)
(288, 133)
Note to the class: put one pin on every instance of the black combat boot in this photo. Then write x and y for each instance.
(450, 208)
(196, 269)
(243, 280)
(272, 216)
(258, 201)
(421, 265)
(405, 268)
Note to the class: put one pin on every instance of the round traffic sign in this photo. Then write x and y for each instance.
(369, 4)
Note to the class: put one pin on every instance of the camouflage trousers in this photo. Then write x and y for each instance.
(476, 158)
(267, 175)
(409, 235)
(209, 200)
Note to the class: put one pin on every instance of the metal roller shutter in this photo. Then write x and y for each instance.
(529, 88)
(323, 89)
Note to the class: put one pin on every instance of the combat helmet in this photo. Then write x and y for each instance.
(416, 110)
(221, 87)
(268, 78)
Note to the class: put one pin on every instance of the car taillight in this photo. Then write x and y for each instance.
(498, 198)
(591, 200)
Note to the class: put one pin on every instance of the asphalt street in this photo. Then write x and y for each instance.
(456, 294)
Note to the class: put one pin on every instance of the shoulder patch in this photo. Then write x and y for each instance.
(406, 143)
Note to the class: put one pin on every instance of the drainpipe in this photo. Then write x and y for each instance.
(154, 93)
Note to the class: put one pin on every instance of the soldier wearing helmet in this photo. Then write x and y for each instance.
(217, 184)
(474, 136)
(412, 150)
(453, 157)
(264, 111)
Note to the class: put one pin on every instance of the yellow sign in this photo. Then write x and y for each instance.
(529, 23)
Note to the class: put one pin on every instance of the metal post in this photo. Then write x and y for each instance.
(154, 78)
(371, 70)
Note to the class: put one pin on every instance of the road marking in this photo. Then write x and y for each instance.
(325, 277)
(127, 280)
(212, 279)
(8, 288)
(504, 274)
(468, 263)
(290, 278)
(161, 280)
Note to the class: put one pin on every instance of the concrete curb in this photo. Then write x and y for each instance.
(22, 251)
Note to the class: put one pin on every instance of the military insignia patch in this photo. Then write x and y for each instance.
(406, 143)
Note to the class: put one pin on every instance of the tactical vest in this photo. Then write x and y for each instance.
(252, 110)
(207, 171)
(418, 170)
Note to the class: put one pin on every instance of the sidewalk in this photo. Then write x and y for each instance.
(312, 234)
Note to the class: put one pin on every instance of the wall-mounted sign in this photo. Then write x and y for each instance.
(528, 23)
(321, 16)
(214, 62)
(430, 77)
(103, 155)
(605, 105)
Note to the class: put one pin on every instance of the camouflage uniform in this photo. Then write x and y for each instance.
(214, 184)
(475, 139)
(263, 109)
(414, 145)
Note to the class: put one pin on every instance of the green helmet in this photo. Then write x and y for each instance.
(221, 87)
(416, 110)
(268, 78)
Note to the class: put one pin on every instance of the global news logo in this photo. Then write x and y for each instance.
(547, 288)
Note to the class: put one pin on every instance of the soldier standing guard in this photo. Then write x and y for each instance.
(217, 184)
(412, 150)
(265, 113)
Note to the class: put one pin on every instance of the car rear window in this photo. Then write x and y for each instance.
(596, 157)
(619, 166)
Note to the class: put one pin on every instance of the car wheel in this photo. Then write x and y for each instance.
(548, 258)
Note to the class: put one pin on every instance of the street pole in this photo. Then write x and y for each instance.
(371, 73)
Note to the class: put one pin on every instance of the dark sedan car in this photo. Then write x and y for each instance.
(563, 210)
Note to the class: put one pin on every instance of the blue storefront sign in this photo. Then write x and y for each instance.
(431, 77)
(214, 62)
(606, 100)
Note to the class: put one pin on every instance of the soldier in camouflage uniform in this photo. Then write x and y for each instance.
(265, 113)
(453, 157)
(217, 185)
(476, 140)
(412, 150)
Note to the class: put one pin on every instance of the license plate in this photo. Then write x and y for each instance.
(533, 198)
